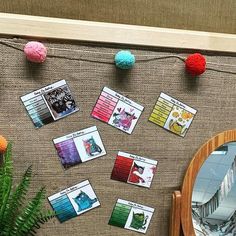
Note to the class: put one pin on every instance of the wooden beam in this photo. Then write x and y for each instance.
(66, 29)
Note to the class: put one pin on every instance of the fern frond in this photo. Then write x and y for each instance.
(5, 182)
(42, 219)
(46, 216)
(29, 215)
(16, 200)
(21, 190)
(16, 220)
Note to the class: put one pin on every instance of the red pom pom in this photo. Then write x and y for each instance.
(195, 64)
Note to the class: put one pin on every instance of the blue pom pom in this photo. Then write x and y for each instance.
(124, 59)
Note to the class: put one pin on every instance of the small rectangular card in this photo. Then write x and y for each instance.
(132, 216)
(74, 201)
(134, 169)
(80, 146)
(49, 103)
(172, 115)
(117, 110)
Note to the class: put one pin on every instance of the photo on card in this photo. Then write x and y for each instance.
(80, 146)
(60, 101)
(131, 216)
(117, 110)
(49, 103)
(133, 169)
(83, 199)
(141, 174)
(74, 201)
(172, 115)
(90, 146)
(138, 220)
(179, 121)
(124, 117)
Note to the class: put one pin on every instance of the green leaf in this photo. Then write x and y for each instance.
(16, 220)
(28, 218)
(5, 182)
(46, 216)
(17, 199)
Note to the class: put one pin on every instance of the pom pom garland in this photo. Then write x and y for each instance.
(195, 64)
(35, 52)
(3, 144)
(124, 59)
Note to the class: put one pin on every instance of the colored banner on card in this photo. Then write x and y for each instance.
(172, 115)
(133, 169)
(117, 110)
(50, 103)
(132, 216)
(80, 146)
(74, 201)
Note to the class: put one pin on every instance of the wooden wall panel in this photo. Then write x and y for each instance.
(203, 15)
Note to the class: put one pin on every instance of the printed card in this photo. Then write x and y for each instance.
(172, 115)
(134, 169)
(132, 216)
(80, 146)
(117, 110)
(74, 201)
(50, 103)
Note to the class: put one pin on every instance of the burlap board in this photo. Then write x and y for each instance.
(87, 72)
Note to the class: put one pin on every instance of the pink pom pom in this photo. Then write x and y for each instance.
(35, 52)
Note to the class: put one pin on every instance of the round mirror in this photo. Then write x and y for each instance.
(208, 195)
(214, 194)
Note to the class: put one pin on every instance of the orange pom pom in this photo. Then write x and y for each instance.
(3, 144)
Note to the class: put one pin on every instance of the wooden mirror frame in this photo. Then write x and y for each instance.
(191, 174)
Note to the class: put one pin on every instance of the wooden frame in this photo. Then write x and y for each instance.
(56, 28)
(175, 214)
(191, 174)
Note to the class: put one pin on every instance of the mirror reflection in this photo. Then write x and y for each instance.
(214, 194)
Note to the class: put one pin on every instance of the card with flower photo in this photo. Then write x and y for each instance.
(172, 115)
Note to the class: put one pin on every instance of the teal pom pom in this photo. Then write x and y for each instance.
(124, 59)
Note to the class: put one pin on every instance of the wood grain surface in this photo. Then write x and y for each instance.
(191, 174)
(203, 15)
(113, 33)
(175, 214)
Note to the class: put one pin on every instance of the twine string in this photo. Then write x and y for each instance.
(140, 58)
